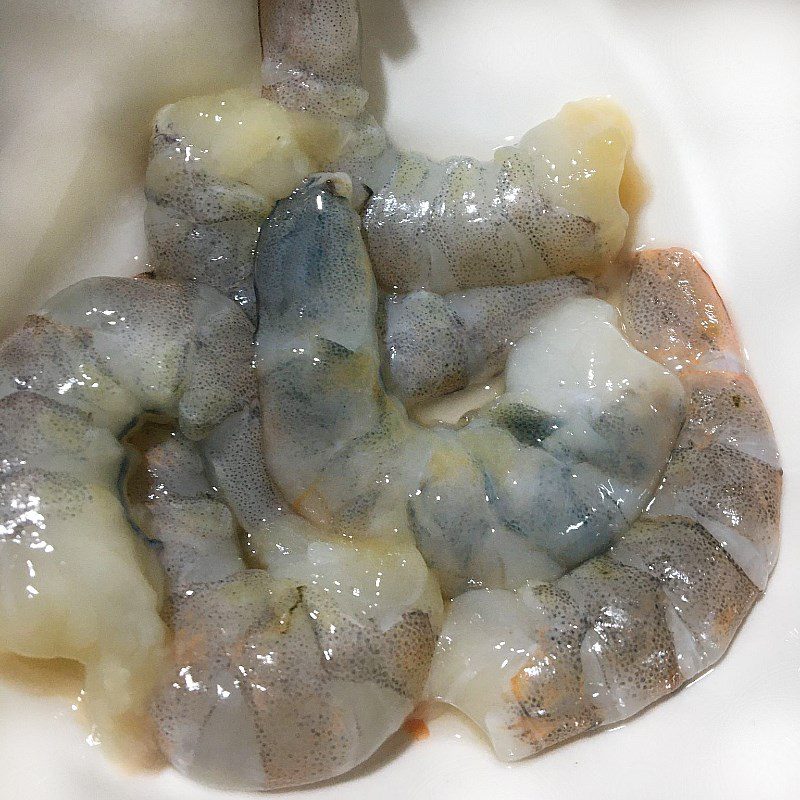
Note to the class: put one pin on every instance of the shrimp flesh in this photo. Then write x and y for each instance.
(282, 673)
(438, 344)
(75, 377)
(334, 641)
(541, 664)
(546, 207)
(585, 417)
(213, 495)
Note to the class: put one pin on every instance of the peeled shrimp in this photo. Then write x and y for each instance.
(438, 344)
(334, 642)
(268, 581)
(284, 676)
(545, 207)
(539, 665)
(77, 581)
(585, 418)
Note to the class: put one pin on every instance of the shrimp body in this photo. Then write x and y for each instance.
(77, 581)
(283, 676)
(262, 586)
(585, 417)
(323, 643)
(546, 207)
(544, 663)
(438, 344)
(217, 166)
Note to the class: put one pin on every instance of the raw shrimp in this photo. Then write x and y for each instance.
(545, 207)
(602, 526)
(286, 676)
(585, 417)
(217, 166)
(334, 642)
(438, 344)
(544, 663)
(77, 582)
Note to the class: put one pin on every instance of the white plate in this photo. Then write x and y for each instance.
(713, 89)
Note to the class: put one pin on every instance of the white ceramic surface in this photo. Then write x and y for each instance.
(713, 87)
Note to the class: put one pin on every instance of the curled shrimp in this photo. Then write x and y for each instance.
(77, 581)
(585, 416)
(544, 663)
(549, 206)
(631, 596)
(545, 207)
(286, 675)
(271, 678)
(269, 580)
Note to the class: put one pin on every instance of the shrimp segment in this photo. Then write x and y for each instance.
(217, 166)
(311, 55)
(547, 207)
(438, 344)
(602, 526)
(625, 628)
(725, 471)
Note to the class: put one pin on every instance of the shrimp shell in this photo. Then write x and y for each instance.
(547, 207)
(628, 627)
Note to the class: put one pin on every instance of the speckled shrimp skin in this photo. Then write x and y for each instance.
(663, 603)
(438, 344)
(286, 665)
(462, 222)
(545, 207)
(312, 55)
(218, 492)
(274, 681)
(478, 499)
(77, 581)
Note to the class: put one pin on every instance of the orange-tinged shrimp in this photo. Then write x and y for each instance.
(540, 665)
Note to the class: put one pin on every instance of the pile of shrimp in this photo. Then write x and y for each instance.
(222, 492)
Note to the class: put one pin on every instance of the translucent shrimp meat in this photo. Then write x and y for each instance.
(586, 418)
(217, 494)
(77, 581)
(287, 676)
(545, 207)
(335, 640)
(217, 166)
(541, 664)
(438, 344)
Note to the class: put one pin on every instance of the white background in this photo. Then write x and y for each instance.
(713, 87)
